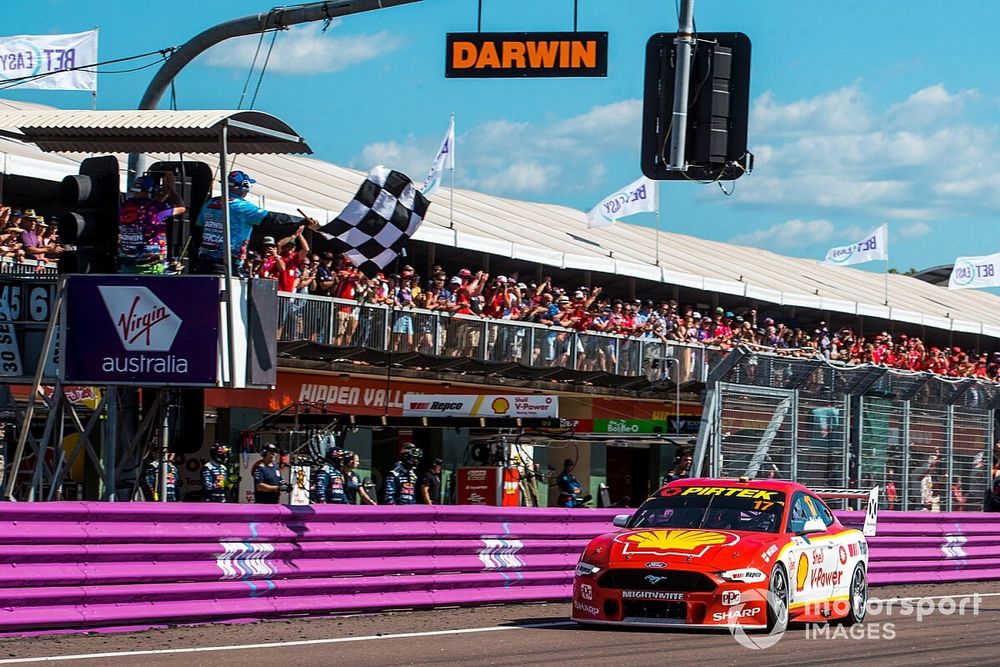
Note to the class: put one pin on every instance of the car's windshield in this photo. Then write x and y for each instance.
(719, 507)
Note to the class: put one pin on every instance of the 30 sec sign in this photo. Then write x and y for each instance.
(526, 54)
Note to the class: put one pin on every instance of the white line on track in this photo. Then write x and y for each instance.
(301, 642)
(341, 640)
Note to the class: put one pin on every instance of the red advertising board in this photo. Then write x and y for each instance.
(479, 486)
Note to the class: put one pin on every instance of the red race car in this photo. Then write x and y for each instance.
(718, 552)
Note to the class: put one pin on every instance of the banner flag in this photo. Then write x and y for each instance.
(445, 159)
(53, 57)
(975, 272)
(636, 197)
(872, 247)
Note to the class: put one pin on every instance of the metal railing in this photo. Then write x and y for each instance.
(926, 440)
(26, 268)
(351, 324)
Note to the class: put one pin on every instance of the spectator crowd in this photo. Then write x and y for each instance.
(24, 235)
(586, 309)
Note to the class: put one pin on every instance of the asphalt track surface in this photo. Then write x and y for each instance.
(540, 634)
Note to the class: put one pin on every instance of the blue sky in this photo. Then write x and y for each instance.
(861, 112)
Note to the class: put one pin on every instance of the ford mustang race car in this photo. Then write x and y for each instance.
(724, 552)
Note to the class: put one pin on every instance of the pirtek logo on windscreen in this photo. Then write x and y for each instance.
(143, 322)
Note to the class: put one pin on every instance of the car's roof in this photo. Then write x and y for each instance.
(765, 484)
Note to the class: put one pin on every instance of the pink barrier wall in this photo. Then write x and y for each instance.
(86, 565)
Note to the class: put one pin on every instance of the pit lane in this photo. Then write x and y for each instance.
(540, 634)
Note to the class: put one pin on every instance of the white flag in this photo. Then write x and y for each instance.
(53, 56)
(636, 197)
(974, 272)
(445, 159)
(872, 247)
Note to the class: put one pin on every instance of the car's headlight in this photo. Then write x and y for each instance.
(586, 569)
(747, 575)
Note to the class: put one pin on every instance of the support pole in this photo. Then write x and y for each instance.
(685, 42)
(164, 446)
(227, 256)
(276, 19)
(451, 195)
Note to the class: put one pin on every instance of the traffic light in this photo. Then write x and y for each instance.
(91, 224)
(718, 107)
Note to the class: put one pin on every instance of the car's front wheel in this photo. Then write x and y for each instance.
(777, 598)
(857, 597)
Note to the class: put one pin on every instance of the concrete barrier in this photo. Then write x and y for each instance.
(91, 565)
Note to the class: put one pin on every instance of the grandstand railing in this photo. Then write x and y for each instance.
(926, 440)
(26, 268)
(351, 324)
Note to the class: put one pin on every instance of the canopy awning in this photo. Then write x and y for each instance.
(250, 132)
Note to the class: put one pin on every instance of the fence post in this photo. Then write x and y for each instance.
(949, 457)
(905, 472)
(795, 435)
(845, 440)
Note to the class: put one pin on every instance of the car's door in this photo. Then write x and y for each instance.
(812, 554)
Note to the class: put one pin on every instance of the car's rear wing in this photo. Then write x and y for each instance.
(871, 511)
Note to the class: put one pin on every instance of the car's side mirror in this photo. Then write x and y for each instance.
(813, 526)
(621, 520)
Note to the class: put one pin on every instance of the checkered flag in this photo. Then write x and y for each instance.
(383, 215)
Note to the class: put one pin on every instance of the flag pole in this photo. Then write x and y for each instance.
(887, 264)
(657, 244)
(451, 194)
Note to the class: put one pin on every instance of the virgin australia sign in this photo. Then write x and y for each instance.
(141, 330)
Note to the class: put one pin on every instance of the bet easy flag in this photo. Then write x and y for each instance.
(445, 159)
(872, 247)
(974, 272)
(51, 59)
(636, 197)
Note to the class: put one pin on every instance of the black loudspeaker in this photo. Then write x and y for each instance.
(187, 423)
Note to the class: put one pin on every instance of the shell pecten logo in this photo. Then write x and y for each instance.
(677, 542)
(500, 406)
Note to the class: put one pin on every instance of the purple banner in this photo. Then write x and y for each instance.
(161, 330)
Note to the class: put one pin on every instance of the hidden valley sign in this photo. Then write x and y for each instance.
(526, 54)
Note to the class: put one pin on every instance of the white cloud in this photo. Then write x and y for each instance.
(927, 106)
(303, 50)
(837, 112)
(915, 160)
(509, 157)
(788, 234)
(914, 230)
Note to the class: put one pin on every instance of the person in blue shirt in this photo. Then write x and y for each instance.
(267, 482)
(330, 480)
(151, 479)
(243, 217)
(214, 474)
(569, 487)
(401, 482)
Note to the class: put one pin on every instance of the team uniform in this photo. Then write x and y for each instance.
(266, 474)
(351, 485)
(243, 217)
(401, 486)
(213, 481)
(330, 486)
(150, 482)
(142, 235)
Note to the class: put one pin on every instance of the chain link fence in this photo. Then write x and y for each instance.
(926, 440)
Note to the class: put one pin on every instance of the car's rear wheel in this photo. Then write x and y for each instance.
(857, 596)
(777, 598)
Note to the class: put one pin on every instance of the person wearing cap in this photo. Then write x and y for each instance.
(30, 241)
(142, 225)
(267, 483)
(243, 217)
(430, 484)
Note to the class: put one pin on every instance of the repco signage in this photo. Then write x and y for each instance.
(141, 330)
(526, 54)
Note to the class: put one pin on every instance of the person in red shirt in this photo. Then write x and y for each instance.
(292, 250)
(272, 264)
